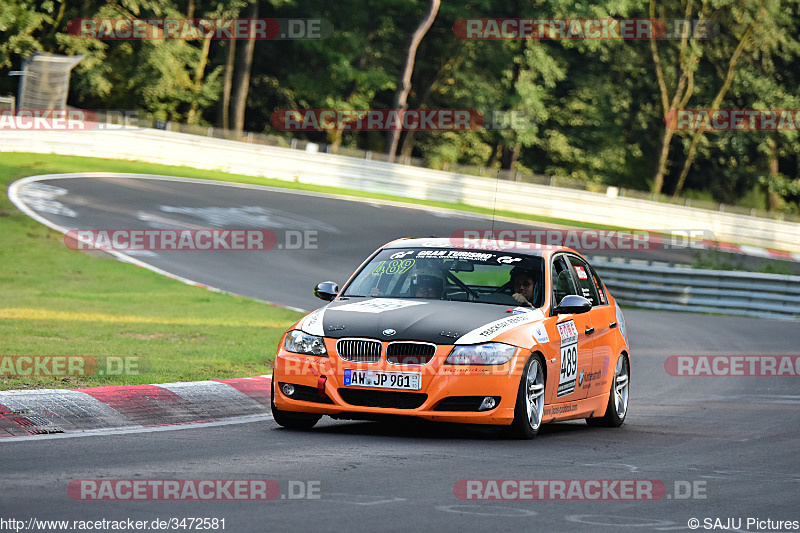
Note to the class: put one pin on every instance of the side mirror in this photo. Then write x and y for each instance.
(327, 290)
(572, 304)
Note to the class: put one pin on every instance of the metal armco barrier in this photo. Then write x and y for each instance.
(680, 288)
(171, 148)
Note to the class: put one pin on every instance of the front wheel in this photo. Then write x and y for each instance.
(530, 400)
(617, 408)
(291, 420)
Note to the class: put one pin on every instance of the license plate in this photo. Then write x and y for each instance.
(383, 380)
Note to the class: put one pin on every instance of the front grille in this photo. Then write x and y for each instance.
(462, 403)
(359, 350)
(308, 394)
(385, 399)
(410, 353)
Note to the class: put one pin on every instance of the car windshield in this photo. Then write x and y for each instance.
(457, 275)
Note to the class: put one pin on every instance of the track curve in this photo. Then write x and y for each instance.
(734, 439)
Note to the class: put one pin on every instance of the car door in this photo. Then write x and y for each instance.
(573, 342)
(603, 316)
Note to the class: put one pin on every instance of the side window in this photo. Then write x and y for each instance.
(561, 280)
(601, 289)
(585, 279)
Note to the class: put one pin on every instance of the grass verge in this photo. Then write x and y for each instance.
(131, 325)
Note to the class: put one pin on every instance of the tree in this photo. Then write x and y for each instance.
(401, 99)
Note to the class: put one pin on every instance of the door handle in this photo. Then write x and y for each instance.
(589, 331)
(612, 325)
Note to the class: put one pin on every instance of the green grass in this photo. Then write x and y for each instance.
(57, 301)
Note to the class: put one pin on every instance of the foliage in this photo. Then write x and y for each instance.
(594, 109)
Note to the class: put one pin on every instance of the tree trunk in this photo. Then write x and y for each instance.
(683, 92)
(661, 171)
(199, 74)
(227, 83)
(407, 146)
(698, 134)
(510, 157)
(241, 85)
(773, 200)
(401, 98)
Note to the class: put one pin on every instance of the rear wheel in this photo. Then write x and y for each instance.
(291, 420)
(617, 408)
(530, 400)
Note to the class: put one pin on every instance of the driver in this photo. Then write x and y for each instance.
(522, 284)
(427, 283)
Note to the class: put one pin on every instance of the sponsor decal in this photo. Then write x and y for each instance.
(378, 305)
(312, 324)
(454, 254)
(581, 272)
(540, 334)
(560, 409)
(569, 357)
(586, 380)
(491, 330)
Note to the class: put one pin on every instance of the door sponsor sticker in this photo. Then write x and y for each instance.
(569, 357)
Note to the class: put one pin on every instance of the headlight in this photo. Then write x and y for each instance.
(492, 353)
(300, 342)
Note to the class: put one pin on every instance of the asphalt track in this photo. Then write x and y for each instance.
(735, 439)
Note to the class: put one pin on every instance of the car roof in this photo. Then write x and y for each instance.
(528, 248)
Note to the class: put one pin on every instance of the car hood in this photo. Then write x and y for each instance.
(435, 321)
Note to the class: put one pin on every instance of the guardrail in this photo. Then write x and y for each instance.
(330, 170)
(680, 288)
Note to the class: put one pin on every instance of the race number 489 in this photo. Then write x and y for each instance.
(569, 357)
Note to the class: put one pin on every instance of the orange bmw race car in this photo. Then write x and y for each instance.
(515, 335)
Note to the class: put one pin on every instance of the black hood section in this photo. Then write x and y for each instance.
(435, 321)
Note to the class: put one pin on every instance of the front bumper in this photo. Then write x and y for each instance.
(448, 393)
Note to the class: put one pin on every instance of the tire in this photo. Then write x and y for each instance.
(291, 420)
(530, 400)
(617, 408)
